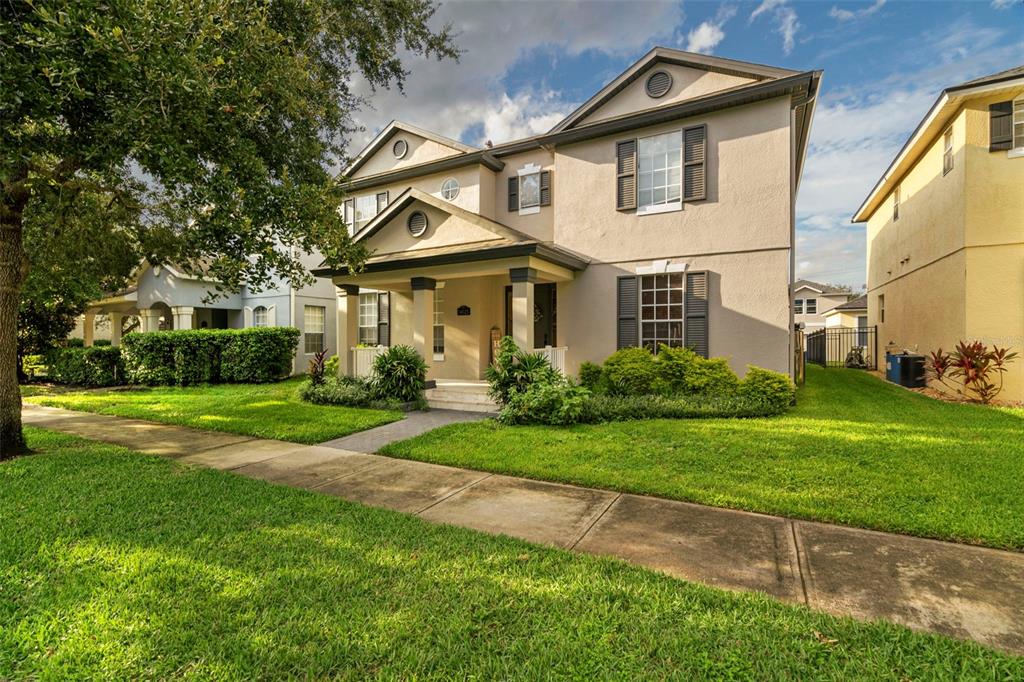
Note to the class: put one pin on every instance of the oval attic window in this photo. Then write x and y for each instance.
(658, 83)
(400, 148)
(417, 223)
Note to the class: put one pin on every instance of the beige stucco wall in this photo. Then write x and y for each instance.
(537, 225)
(748, 192)
(842, 318)
(687, 83)
(421, 150)
(443, 229)
(960, 238)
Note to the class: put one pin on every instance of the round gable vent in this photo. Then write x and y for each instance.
(400, 148)
(417, 223)
(658, 83)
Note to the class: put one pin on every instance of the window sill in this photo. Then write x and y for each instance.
(438, 357)
(1015, 153)
(529, 210)
(660, 208)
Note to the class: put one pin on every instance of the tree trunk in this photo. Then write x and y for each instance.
(13, 269)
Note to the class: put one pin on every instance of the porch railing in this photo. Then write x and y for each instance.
(362, 359)
(555, 356)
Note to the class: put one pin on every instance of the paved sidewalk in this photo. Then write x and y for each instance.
(958, 590)
(414, 424)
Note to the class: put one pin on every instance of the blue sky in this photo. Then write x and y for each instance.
(527, 64)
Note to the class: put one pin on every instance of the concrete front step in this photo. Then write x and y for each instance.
(462, 406)
(468, 396)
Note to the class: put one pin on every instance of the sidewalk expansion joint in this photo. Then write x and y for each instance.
(594, 523)
(452, 494)
(799, 562)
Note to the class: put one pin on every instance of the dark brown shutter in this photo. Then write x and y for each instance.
(513, 194)
(694, 166)
(695, 335)
(628, 332)
(1000, 126)
(625, 175)
(382, 201)
(384, 319)
(545, 188)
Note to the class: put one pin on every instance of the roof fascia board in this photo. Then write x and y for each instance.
(389, 130)
(946, 98)
(482, 157)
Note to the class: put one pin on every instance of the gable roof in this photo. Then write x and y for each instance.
(859, 303)
(817, 286)
(664, 55)
(389, 131)
(945, 107)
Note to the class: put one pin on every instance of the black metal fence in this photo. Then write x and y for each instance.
(844, 347)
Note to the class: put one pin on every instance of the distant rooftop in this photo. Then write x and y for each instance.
(823, 288)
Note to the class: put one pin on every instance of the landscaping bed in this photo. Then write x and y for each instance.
(117, 565)
(260, 410)
(854, 451)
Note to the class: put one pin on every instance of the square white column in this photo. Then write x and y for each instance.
(89, 328)
(348, 327)
(184, 316)
(423, 315)
(116, 320)
(523, 280)
(150, 319)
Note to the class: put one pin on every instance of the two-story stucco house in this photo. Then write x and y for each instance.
(811, 300)
(945, 226)
(659, 211)
(164, 297)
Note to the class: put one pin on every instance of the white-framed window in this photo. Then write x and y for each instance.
(896, 204)
(450, 189)
(368, 319)
(313, 317)
(881, 308)
(947, 150)
(798, 306)
(360, 210)
(1018, 127)
(439, 323)
(660, 173)
(529, 189)
(259, 316)
(661, 310)
(811, 305)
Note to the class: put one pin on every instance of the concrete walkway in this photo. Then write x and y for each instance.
(414, 424)
(958, 590)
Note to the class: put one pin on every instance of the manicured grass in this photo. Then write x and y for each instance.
(117, 565)
(855, 451)
(261, 410)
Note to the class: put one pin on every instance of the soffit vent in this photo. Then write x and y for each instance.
(400, 148)
(417, 223)
(658, 83)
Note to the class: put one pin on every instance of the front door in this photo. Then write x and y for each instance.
(545, 314)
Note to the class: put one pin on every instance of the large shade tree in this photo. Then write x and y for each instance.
(195, 131)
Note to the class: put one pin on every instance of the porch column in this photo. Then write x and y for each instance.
(184, 316)
(423, 315)
(89, 327)
(115, 328)
(523, 280)
(348, 327)
(150, 319)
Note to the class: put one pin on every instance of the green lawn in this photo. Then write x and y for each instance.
(855, 451)
(261, 410)
(117, 565)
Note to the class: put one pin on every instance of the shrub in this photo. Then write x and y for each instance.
(399, 373)
(95, 366)
(674, 365)
(711, 376)
(317, 367)
(632, 371)
(258, 354)
(971, 369)
(335, 390)
(592, 378)
(513, 371)
(775, 391)
(556, 403)
(75, 343)
(331, 366)
(624, 408)
(100, 342)
(33, 365)
(191, 356)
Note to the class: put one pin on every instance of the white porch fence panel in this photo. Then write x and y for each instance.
(362, 359)
(555, 356)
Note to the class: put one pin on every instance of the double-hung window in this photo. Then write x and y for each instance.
(659, 172)
(798, 306)
(259, 316)
(1018, 127)
(947, 151)
(661, 310)
(439, 323)
(896, 204)
(811, 305)
(368, 318)
(357, 212)
(313, 318)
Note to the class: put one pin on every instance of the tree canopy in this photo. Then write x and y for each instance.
(199, 132)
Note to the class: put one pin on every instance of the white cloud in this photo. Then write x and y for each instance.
(849, 15)
(520, 116)
(709, 34)
(786, 21)
(1003, 4)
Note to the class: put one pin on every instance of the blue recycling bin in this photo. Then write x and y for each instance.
(893, 367)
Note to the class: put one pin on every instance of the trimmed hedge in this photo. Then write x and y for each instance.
(194, 356)
(94, 366)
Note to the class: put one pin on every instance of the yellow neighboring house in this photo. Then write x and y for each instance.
(945, 226)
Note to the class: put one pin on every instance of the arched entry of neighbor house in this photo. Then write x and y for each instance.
(166, 317)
